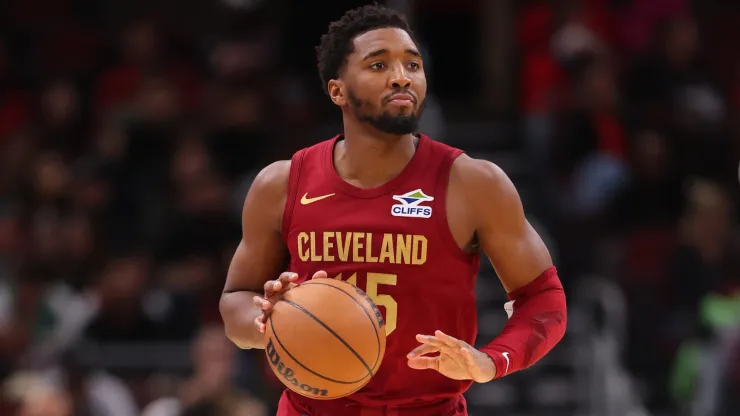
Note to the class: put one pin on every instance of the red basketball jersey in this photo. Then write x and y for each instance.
(394, 243)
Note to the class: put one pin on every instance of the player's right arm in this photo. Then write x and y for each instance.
(260, 257)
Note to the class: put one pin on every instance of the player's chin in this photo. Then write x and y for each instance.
(402, 116)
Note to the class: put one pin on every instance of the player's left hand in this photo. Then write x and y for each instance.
(457, 359)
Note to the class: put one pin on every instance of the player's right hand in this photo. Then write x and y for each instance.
(274, 290)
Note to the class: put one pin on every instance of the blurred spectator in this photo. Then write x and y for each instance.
(120, 290)
(60, 125)
(142, 54)
(208, 390)
(704, 289)
(707, 259)
(45, 401)
(590, 144)
(240, 137)
(672, 86)
(653, 194)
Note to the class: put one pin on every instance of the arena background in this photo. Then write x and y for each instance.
(130, 131)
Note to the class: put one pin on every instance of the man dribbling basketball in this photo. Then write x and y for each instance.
(402, 217)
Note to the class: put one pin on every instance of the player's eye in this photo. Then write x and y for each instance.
(414, 65)
(377, 66)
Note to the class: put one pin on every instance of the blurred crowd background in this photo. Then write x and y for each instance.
(130, 132)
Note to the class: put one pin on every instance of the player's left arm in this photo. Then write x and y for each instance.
(523, 265)
(483, 201)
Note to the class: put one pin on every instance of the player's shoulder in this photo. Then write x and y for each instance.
(467, 172)
(481, 182)
(272, 180)
(477, 172)
(267, 194)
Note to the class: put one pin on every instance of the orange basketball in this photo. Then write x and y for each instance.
(325, 339)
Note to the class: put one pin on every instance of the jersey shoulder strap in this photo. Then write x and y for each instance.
(445, 156)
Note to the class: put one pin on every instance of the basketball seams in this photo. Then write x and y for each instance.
(285, 350)
(369, 316)
(309, 389)
(331, 331)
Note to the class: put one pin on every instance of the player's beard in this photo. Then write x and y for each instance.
(386, 122)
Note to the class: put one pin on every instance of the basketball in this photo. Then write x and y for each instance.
(325, 339)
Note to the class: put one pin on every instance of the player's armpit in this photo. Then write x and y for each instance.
(260, 256)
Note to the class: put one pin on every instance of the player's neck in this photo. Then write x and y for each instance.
(368, 159)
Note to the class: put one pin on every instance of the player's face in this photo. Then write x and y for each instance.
(383, 82)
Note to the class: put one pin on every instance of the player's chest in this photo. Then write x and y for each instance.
(403, 211)
(392, 229)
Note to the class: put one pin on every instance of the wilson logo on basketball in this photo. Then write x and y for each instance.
(287, 372)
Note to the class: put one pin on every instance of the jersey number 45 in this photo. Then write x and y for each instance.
(385, 301)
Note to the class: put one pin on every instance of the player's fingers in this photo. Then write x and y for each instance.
(262, 303)
(424, 363)
(283, 281)
(430, 340)
(320, 275)
(421, 350)
(446, 339)
(272, 287)
(287, 277)
(259, 323)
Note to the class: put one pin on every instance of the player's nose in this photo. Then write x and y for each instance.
(399, 78)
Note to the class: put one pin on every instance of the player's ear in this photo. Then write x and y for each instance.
(337, 92)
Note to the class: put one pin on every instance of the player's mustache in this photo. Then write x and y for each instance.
(396, 92)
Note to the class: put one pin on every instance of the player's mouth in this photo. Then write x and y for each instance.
(402, 100)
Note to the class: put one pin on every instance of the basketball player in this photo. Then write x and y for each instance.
(402, 217)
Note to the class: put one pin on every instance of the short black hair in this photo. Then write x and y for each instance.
(337, 44)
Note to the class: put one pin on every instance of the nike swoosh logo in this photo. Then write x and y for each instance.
(506, 355)
(305, 200)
